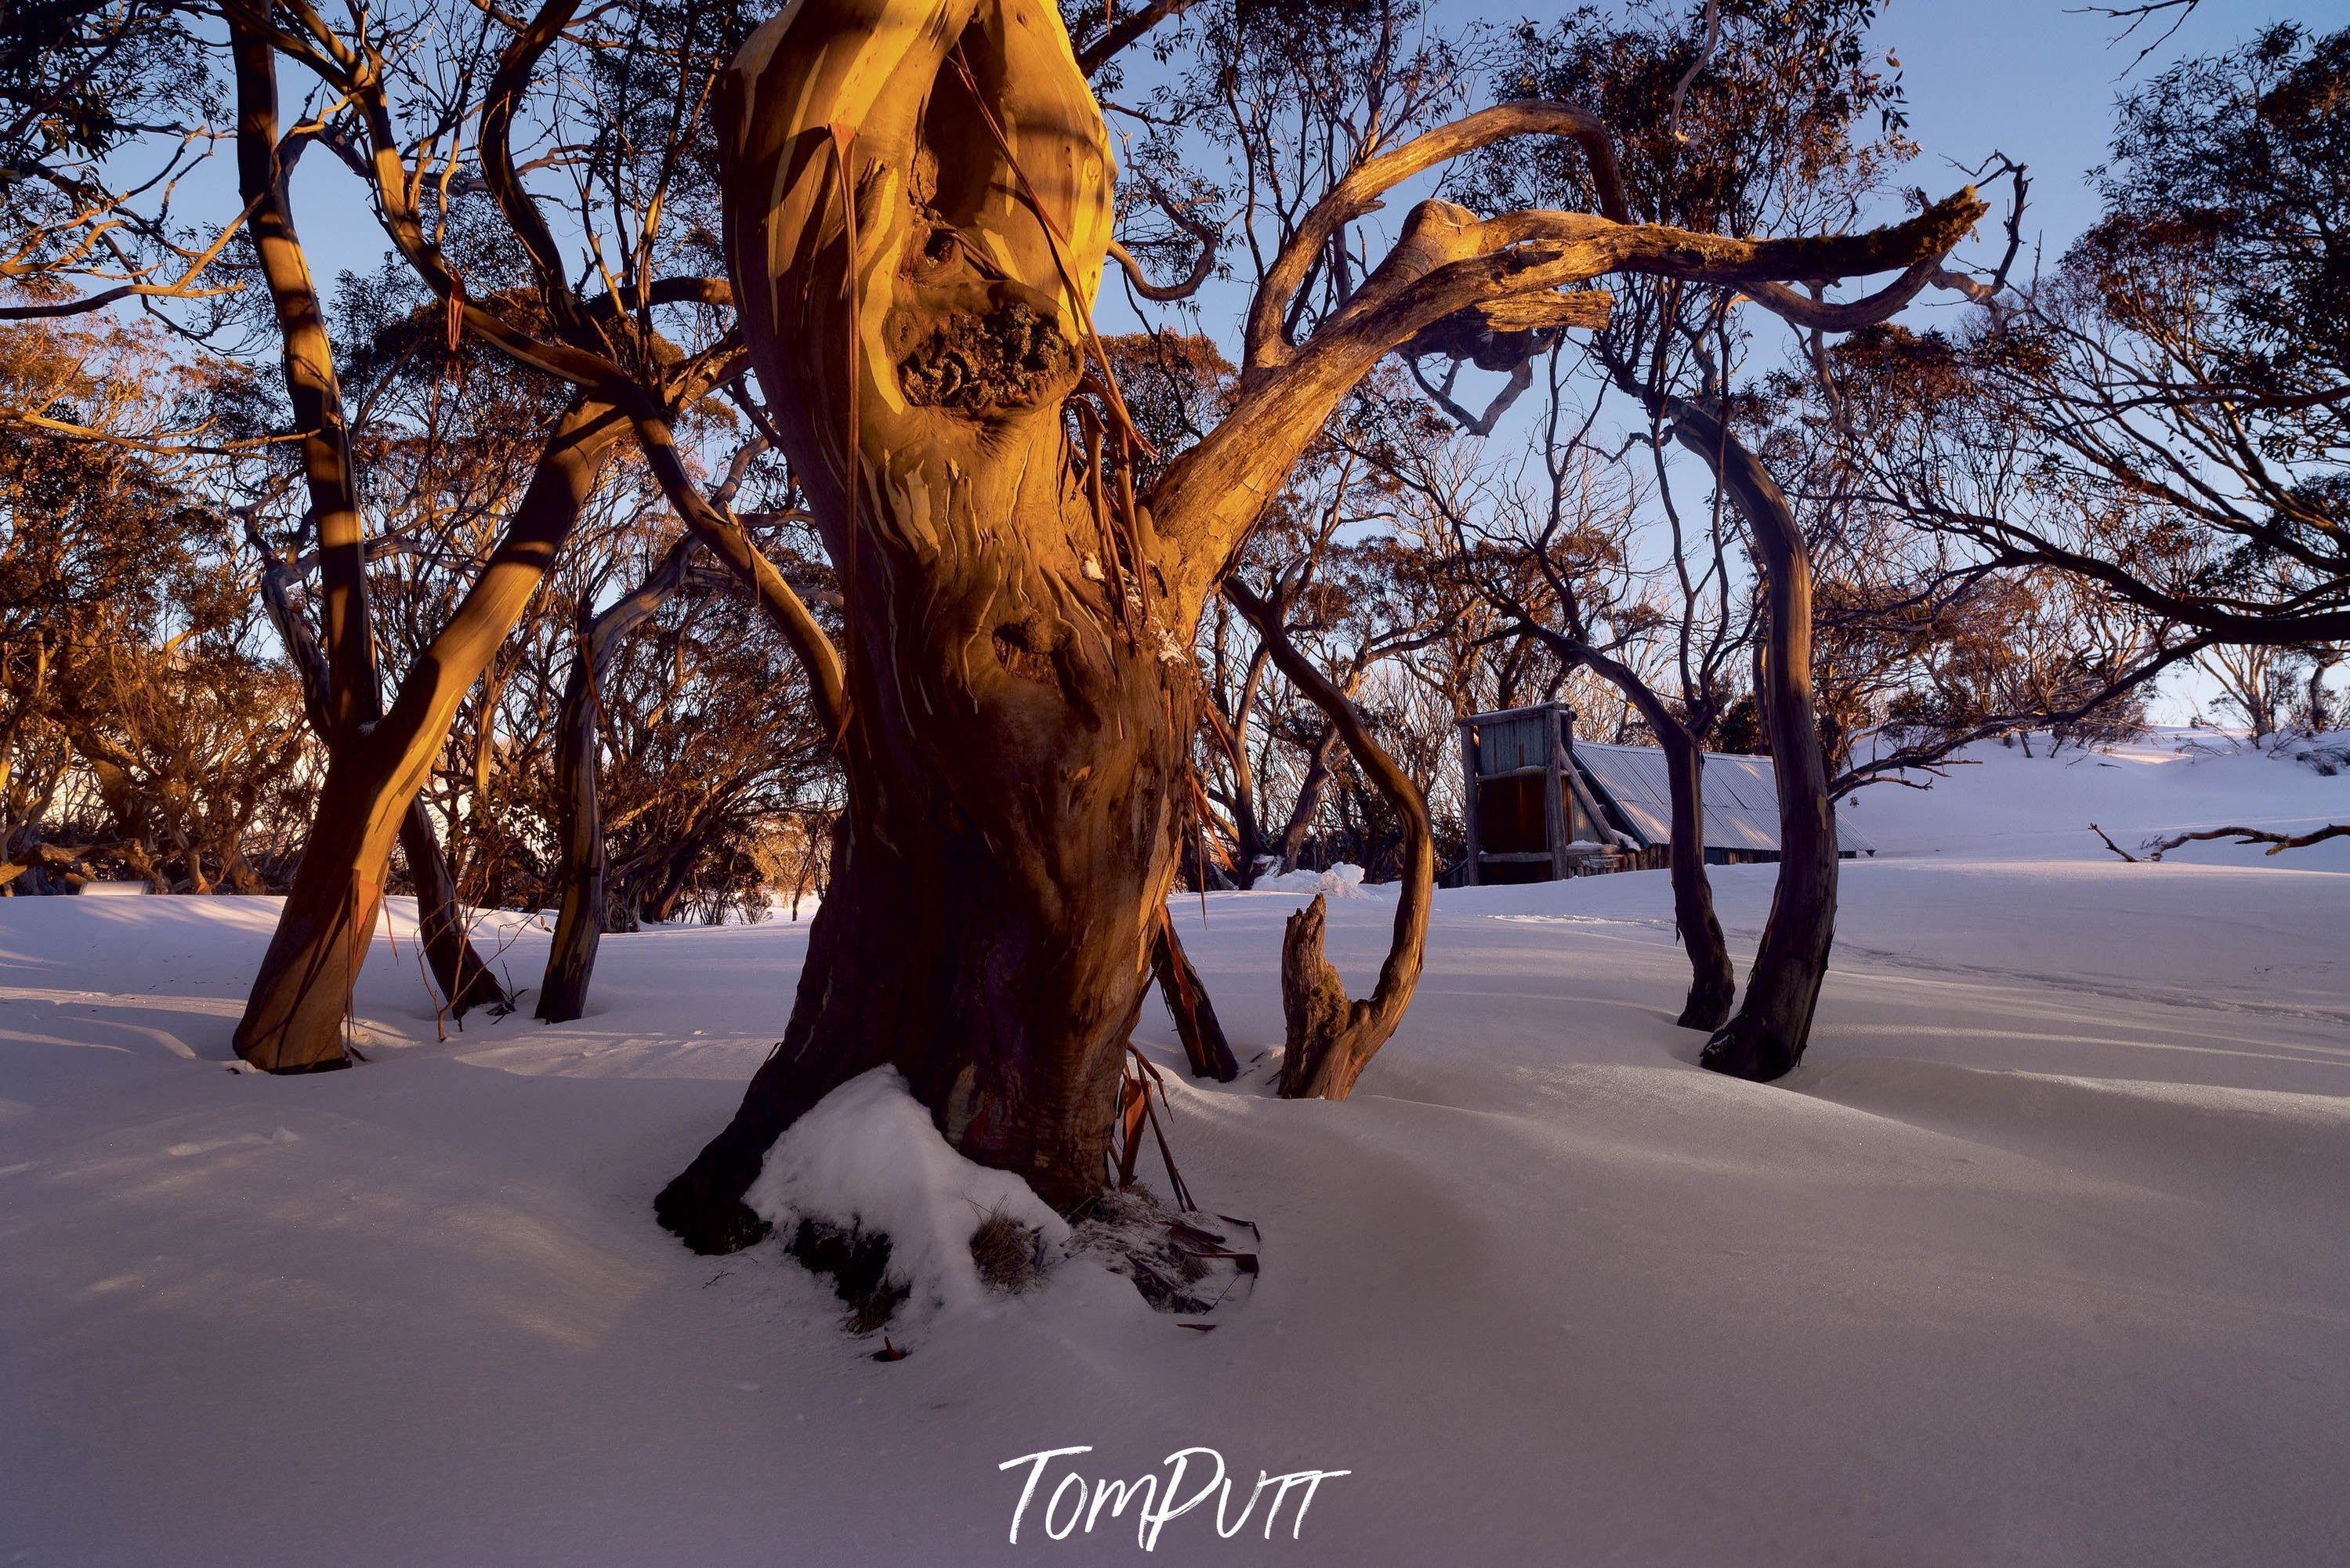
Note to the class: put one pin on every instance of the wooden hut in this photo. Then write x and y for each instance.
(1541, 805)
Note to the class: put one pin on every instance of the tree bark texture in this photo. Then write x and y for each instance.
(1773, 1023)
(579, 923)
(465, 981)
(1016, 734)
(1713, 983)
(311, 385)
(342, 691)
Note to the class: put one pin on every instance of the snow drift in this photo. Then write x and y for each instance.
(2040, 1259)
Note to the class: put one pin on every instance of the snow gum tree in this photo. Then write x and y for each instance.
(919, 200)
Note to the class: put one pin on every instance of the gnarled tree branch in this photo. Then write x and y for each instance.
(1330, 1038)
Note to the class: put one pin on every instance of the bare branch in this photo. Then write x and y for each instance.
(1704, 53)
(2111, 845)
(1123, 36)
(1202, 269)
(2278, 843)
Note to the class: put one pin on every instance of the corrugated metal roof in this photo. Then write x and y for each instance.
(1742, 796)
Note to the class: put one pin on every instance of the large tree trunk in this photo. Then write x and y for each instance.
(988, 926)
(1774, 1022)
(1017, 725)
(293, 1019)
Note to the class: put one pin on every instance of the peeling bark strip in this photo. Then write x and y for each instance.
(1015, 727)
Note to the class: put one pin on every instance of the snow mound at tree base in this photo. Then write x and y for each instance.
(866, 1162)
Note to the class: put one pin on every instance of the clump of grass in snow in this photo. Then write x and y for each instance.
(1010, 1255)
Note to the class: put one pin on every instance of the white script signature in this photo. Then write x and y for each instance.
(1075, 1501)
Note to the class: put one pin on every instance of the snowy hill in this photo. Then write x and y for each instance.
(2001, 804)
(2040, 1259)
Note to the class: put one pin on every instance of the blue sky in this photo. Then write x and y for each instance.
(2037, 80)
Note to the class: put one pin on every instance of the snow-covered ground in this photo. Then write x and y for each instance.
(2041, 1258)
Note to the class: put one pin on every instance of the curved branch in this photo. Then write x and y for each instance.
(619, 620)
(361, 80)
(312, 387)
(1933, 754)
(1820, 316)
(185, 286)
(1164, 294)
(2014, 544)
(1704, 53)
(711, 291)
(1848, 316)
(1268, 343)
(1125, 34)
(507, 86)
(721, 533)
(1209, 241)
(1522, 377)
(1978, 290)
(293, 629)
